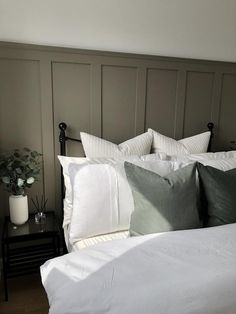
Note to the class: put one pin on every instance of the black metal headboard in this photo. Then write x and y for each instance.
(63, 138)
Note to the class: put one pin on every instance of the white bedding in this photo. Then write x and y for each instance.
(179, 272)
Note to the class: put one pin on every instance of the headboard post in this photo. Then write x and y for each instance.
(210, 126)
(62, 140)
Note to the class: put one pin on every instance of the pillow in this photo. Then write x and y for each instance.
(66, 161)
(102, 199)
(220, 192)
(204, 156)
(213, 156)
(95, 147)
(222, 162)
(163, 203)
(191, 145)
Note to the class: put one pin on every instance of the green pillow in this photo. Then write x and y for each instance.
(163, 203)
(220, 193)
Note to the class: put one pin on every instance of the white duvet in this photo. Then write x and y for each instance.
(179, 272)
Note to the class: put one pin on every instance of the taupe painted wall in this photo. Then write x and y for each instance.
(112, 95)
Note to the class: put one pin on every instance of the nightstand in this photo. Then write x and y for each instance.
(25, 248)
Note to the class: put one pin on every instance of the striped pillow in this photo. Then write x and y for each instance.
(95, 147)
(197, 144)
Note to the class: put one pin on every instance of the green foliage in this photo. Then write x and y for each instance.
(19, 170)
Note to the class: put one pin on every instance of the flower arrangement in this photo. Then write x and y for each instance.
(19, 170)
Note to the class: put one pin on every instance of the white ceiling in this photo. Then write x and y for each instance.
(203, 29)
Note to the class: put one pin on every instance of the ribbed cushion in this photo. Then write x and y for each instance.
(95, 147)
(190, 145)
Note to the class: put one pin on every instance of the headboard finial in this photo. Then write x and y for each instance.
(62, 136)
(62, 126)
(210, 126)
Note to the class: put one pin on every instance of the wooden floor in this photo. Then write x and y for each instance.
(26, 296)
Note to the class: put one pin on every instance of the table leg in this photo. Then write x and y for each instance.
(4, 262)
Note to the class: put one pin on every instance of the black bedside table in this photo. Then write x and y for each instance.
(25, 248)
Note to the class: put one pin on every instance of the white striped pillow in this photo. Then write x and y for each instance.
(95, 147)
(196, 144)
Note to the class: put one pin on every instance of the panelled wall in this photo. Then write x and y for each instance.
(115, 96)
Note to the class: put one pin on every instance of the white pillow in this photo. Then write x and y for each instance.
(95, 147)
(213, 156)
(203, 157)
(221, 164)
(102, 198)
(190, 145)
(66, 161)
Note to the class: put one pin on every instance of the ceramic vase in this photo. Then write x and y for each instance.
(18, 205)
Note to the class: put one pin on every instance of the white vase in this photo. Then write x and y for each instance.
(18, 205)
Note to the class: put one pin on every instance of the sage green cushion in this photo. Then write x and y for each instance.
(163, 203)
(220, 194)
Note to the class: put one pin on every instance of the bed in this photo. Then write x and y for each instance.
(185, 267)
(177, 272)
